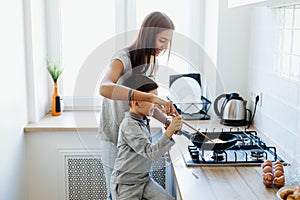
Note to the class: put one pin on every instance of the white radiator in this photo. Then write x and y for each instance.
(82, 175)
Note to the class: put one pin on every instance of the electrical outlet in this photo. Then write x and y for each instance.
(252, 96)
(260, 95)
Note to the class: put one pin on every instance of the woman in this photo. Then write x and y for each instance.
(154, 37)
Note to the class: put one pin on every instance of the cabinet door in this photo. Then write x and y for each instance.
(236, 3)
(270, 3)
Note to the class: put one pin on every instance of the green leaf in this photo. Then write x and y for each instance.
(54, 70)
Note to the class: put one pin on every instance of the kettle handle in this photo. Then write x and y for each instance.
(217, 111)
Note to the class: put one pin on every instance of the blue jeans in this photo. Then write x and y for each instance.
(108, 153)
(107, 173)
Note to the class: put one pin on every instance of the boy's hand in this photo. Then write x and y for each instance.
(168, 122)
(174, 126)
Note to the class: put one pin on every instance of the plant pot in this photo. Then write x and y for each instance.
(56, 106)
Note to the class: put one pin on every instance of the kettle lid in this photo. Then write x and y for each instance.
(234, 96)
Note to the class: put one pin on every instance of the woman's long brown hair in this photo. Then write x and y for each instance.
(144, 46)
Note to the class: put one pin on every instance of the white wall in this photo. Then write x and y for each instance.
(279, 115)
(232, 50)
(244, 57)
(45, 165)
(13, 103)
(210, 41)
(36, 55)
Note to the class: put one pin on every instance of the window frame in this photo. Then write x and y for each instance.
(125, 21)
(279, 67)
(54, 48)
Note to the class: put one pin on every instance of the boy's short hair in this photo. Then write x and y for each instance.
(140, 82)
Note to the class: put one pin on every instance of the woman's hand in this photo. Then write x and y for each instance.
(173, 111)
(166, 106)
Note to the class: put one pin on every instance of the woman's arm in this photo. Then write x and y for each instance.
(159, 115)
(108, 86)
(110, 89)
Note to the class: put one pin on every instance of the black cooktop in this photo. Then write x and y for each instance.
(249, 150)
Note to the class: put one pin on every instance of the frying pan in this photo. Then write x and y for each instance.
(201, 142)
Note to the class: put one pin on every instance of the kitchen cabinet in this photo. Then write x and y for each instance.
(64, 158)
(237, 3)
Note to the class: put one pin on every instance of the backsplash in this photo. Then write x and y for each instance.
(279, 115)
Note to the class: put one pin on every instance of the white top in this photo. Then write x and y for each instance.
(112, 111)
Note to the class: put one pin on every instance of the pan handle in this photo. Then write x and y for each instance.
(186, 134)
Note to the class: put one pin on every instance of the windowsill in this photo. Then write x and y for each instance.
(66, 122)
(72, 121)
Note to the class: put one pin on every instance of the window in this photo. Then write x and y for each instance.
(287, 54)
(83, 25)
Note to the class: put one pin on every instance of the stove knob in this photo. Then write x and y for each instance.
(195, 157)
(192, 148)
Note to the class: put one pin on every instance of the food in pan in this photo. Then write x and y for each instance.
(216, 140)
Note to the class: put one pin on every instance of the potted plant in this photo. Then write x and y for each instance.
(55, 71)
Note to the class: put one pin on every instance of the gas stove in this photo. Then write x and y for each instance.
(249, 150)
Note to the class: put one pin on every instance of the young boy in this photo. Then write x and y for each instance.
(130, 178)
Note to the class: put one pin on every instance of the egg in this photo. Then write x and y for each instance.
(278, 167)
(267, 169)
(268, 176)
(279, 181)
(267, 163)
(277, 162)
(278, 173)
(268, 183)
